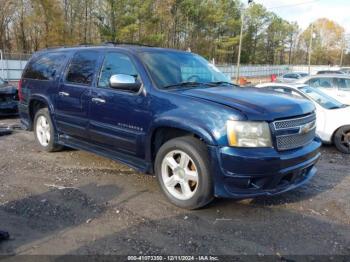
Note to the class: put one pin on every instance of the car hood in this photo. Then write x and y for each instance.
(339, 113)
(8, 90)
(254, 103)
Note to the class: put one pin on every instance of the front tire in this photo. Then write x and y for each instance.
(44, 131)
(183, 172)
(342, 139)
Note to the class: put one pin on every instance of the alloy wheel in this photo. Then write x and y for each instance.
(179, 175)
(43, 130)
(345, 139)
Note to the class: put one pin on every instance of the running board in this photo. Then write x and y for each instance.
(132, 161)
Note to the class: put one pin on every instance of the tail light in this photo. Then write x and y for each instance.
(20, 94)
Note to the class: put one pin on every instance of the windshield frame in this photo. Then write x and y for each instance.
(180, 85)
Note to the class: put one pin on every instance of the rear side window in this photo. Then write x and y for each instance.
(293, 76)
(321, 82)
(44, 67)
(343, 83)
(82, 68)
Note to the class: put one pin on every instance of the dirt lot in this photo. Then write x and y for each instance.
(73, 202)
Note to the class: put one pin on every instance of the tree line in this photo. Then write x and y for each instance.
(208, 27)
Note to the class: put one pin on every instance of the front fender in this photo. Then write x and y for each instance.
(191, 126)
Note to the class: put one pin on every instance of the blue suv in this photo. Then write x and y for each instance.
(173, 114)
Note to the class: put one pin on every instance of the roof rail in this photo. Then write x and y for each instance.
(86, 44)
(112, 43)
(53, 47)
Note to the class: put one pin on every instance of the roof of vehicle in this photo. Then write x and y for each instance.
(130, 47)
(298, 73)
(301, 80)
(328, 71)
(289, 85)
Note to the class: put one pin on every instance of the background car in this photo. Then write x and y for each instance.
(345, 70)
(8, 99)
(291, 77)
(323, 72)
(336, 86)
(333, 121)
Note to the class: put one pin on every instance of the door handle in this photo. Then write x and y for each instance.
(63, 94)
(98, 100)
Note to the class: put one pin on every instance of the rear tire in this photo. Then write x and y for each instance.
(342, 139)
(44, 131)
(182, 168)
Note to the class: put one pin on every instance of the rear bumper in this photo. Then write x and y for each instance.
(9, 108)
(246, 173)
(24, 115)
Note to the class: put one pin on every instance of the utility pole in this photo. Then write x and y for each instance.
(310, 46)
(239, 49)
(2, 64)
(240, 43)
(343, 48)
(341, 55)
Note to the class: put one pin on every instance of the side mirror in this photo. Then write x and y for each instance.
(124, 82)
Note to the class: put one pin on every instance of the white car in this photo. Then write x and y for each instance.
(332, 116)
(291, 77)
(334, 85)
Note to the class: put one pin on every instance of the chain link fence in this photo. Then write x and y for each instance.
(12, 65)
(263, 73)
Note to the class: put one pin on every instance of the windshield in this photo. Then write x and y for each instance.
(172, 68)
(1, 81)
(321, 98)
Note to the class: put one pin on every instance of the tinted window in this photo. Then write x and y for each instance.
(82, 67)
(44, 67)
(293, 76)
(115, 63)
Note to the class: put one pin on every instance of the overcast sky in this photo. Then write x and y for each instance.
(306, 11)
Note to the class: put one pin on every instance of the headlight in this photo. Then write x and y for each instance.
(248, 134)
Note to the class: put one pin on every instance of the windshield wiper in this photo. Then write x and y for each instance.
(184, 84)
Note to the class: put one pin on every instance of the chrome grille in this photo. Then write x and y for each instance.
(295, 122)
(295, 132)
(294, 141)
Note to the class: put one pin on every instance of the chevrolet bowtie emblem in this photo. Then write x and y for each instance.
(307, 127)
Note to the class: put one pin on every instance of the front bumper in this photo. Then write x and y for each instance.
(249, 172)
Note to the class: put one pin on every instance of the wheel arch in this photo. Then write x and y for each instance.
(36, 103)
(164, 131)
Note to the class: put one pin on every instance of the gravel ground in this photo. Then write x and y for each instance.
(74, 202)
